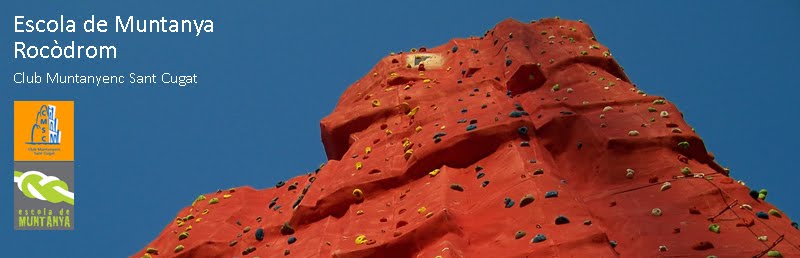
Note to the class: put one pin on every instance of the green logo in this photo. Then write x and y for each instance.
(37, 185)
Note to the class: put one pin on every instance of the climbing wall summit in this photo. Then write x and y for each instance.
(531, 127)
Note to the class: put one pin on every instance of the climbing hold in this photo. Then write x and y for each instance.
(413, 111)
(463, 110)
(551, 194)
(527, 199)
(361, 239)
(508, 62)
(358, 194)
(607, 108)
(666, 186)
(515, 114)
(703, 245)
(774, 212)
(179, 248)
(762, 238)
(480, 175)
(762, 215)
(538, 172)
(633, 133)
(434, 172)
(555, 87)
(683, 145)
(508, 202)
(659, 102)
(519, 234)
(183, 235)
(485, 183)
(664, 114)
(421, 210)
(471, 127)
(376, 103)
(291, 240)
(774, 253)
(538, 238)
(359, 165)
(213, 201)
(525, 144)
(662, 248)
(612, 243)
(762, 194)
(523, 130)
(279, 184)
(754, 194)
(233, 242)
(656, 212)
(368, 150)
(561, 219)
(714, 228)
(246, 229)
(795, 225)
(249, 250)
(151, 250)
(686, 171)
(287, 229)
(629, 173)
(457, 187)
(439, 135)
(454, 49)
(260, 234)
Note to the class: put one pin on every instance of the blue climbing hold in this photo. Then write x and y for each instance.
(260, 234)
(508, 202)
(754, 194)
(439, 135)
(471, 127)
(539, 238)
(279, 184)
(515, 114)
(561, 219)
(525, 144)
(551, 194)
(480, 175)
(292, 239)
(276, 207)
(523, 130)
(508, 62)
(518, 107)
(762, 215)
(455, 48)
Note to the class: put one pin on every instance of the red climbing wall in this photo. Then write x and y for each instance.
(437, 160)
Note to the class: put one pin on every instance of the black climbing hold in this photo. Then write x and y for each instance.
(439, 134)
(476, 89)
(762, 215)
(459, 81)
(287, 229)
(312, 179)
(508, 62)
(437, 140)
(463, 71)
(473, 121)
(519, 234)
(525, 144)
(539, 238)
(561, 219)
(249, 250)
(478, 168)
(273, 202)
(528, 199)
(538, 172)
(296, 203)
(613, 243)
(515, 114)
(463, 110)
(238, 222)
(471, 127)
(508, 202)
(455, 48)
(495, 42)
(508, 93)
(480, 175)
(532, 161)
(457, 187)
(286, 252)
(795, 225)
(292, 239)
(305, 189)
(260, 234)
(754, 194)
(580, 145)
(484, 106)
(566, 113)
(485, 183)
(292, 187)
(279, 184)
(551, 194)
(518, 107)
(523, 130)
(461, 121)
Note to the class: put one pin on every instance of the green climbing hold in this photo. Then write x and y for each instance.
(183, 235)
(287, 229)
(457, 187)
(714, 228)
(528, 199)
(686, 171)
(179, 248)
(151, 250)
(774, 253)
(519, 234)
(213, 201)
(683, 145)
(774, 212)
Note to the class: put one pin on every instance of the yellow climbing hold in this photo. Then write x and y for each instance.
(426, 81)
(213, 201)
(359, 165)
(226, 196)
(408, 153)
(376, 103)
(434, 172)
(421, 210)
(179, 248)
(418, 129)
(368, 149)
(413, 111)
(359, 212)
(198, 219)
(407, 144)
(358, 194)
(388, 132)
(429, 214)
(205, 211)
(189, 228)
(361, 239)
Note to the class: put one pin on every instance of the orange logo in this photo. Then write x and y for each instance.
(44, 130)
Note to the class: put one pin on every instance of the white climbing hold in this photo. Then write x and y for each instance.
(762, 238)
(662, 248)
(666, 186)
(656, 212)
(633, 133)
(607, 108)
(629, 173)
(664, 114)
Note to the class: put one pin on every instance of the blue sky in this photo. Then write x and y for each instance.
(271, 70)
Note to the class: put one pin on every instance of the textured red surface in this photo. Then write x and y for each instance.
(580, 142)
